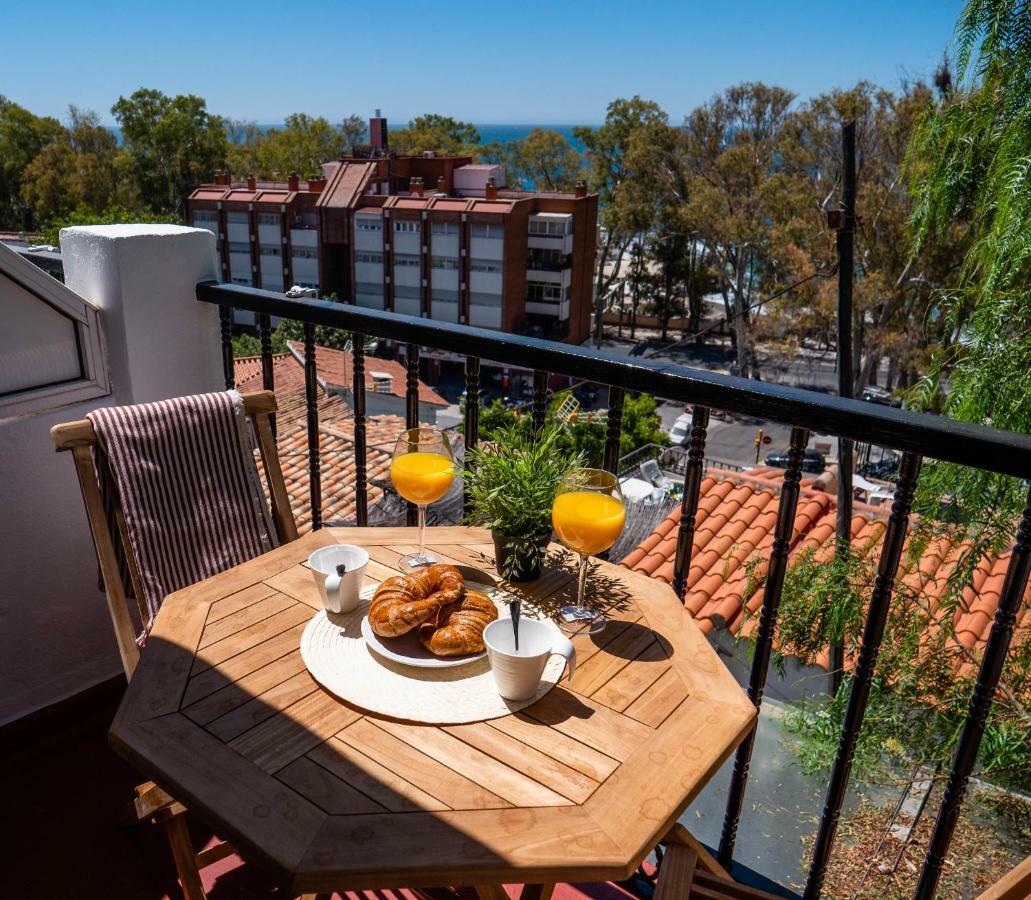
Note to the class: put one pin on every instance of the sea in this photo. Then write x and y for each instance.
(488, 132)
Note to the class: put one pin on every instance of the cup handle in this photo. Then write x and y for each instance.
(564, 647)
(333, 582)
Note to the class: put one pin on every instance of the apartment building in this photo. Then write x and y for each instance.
(432, 236)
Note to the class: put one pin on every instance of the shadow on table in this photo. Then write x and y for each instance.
(304, 790)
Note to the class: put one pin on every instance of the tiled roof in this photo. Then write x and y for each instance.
(336, 440)
(336, 368)
(737, 513)
(336, 455)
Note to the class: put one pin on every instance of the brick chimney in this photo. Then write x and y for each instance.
(581, 189)
(490, 192)
(317, 185)
(415, 186)
(441, 184)
(252, 183)
(378, 132)
(294, 181)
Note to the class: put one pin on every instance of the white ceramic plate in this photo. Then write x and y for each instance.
(407, 650)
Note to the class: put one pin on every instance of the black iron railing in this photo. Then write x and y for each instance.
(916, 435)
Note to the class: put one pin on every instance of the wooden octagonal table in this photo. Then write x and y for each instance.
(579, 786)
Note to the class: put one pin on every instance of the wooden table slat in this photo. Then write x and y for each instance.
(296, 730)
(239, 693)
(232, 671)
(577, 786)
(219, 609)
(508, 783)
(421, 769)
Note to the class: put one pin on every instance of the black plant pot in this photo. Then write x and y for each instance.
(518, 558)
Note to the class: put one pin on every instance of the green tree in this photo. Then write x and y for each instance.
(22, 138)
(546, 160)
(970, 163)
(173, 143)
(441, 134)
(77, 172)
(353, 131)
(624, 189)
(301, 145)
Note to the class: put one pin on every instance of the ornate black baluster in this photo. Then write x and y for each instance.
(988, 676)
(412, 407)
(268, 378)
(862, 676)
(361, 485)
(540, 399)
(225, 325)
(778, 566)
(311, 401)
(472, 409)
(611, 459)
(689, 502)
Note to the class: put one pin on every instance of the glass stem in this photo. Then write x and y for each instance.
(422, 531)
(581, 581)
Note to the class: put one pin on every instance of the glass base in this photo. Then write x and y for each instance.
(580, 620)
(416, 560)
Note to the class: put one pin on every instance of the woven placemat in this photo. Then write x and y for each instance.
(338, 658)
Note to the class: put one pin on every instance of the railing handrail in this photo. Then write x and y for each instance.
(1004, 452)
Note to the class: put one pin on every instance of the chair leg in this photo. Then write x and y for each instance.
(185, 860)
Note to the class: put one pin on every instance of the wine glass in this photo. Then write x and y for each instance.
(422, 470)
(588, 517)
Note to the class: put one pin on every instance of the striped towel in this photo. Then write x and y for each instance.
(183, 471)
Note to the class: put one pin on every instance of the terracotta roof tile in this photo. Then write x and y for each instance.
(737, 514)
(336, 369)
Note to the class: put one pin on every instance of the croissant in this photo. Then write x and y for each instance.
(458, 628)
(404, 602)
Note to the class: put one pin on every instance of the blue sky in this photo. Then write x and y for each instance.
(523, 62)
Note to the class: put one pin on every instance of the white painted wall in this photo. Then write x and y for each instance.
(55, 634)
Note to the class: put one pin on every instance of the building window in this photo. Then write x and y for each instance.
(305, 253)
(205, 218)
(549, 227)
(484, 265)
(269, 250)
(445, 262)
(239, 247)
(268, 219)
(493, 300)
(368, 223)
(541, 292)
(369, 258)
(445, 228)
(481, 230)
(241, 281)
(238, 218)
(407, 292)
(406, 226)
(405, 259)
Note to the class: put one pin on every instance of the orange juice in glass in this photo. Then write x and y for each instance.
(588, 517)
(422, 470)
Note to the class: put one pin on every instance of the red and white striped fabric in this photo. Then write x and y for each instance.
(189, 488)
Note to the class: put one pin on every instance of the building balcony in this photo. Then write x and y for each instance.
(562, 277)
(563, 242)
(166, 332)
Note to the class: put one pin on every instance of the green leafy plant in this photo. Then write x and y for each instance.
(511, 481)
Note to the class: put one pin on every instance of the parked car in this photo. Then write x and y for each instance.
(886, 469)
(874, 394)
(680, 433)
(813, 461)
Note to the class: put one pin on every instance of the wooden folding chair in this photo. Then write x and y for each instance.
(153, 803)
(1014, 885)
(688, 872)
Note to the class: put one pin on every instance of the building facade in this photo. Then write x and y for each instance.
(432, 236)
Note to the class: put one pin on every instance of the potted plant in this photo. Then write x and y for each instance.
(511, 481)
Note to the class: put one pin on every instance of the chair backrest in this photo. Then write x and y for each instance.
(80, 438)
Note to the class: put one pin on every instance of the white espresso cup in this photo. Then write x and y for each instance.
(517, 673)
(338, 571)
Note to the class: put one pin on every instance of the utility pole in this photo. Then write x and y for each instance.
(846, 220)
